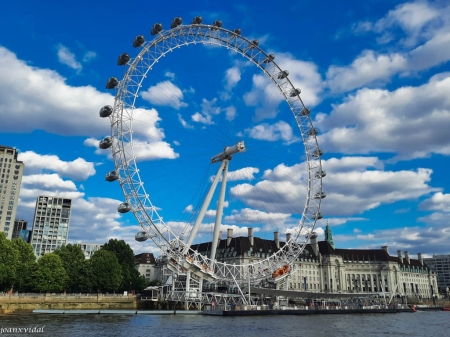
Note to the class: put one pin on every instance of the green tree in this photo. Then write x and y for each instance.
(125, 256)
(106, 271)
(9, 261)
(73, 260)
(26, 265)
(50, 274)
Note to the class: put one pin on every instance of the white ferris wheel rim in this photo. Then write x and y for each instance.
(133, 187)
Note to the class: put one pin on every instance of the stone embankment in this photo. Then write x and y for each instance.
(28, 302)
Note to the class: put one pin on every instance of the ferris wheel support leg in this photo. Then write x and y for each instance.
(219, 213)
(205, 205)
(187, 290)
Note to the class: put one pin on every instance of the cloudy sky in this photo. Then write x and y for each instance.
(375, 75)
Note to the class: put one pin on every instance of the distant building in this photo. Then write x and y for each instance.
(11, 171)
(323, 268)
(19, 226)
(88, 248)
(441, 266)
(145, 265)
(51, 224)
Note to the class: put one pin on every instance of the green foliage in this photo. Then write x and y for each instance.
(9, 262)
(74, 263)
(26, 265)
(106, 271)
(125, 255)
(50, 275)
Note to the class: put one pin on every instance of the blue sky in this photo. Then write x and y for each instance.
(375, 75)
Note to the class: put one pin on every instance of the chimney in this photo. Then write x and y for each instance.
(276, 238)
(219, 239)
(407, 256)
(288, 237)
(229, 235)
(314, 244)
(399, 254)
(386, 249)
(419, 257)
(250, 236)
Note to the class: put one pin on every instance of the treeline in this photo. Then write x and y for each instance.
(110, 269)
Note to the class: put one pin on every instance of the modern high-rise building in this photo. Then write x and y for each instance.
(11, 171)
(21, 231)
(441, 266)
(88, 249)
(50, 224)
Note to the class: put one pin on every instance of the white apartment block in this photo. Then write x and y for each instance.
(51, 224)
(11, 171)
(88, 248)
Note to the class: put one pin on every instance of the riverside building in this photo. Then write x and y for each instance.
(51, 224)
(323, 268)
(145, 265)
(11, 171)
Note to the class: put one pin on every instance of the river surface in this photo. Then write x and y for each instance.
(425, 323)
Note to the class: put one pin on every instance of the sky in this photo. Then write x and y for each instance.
(375, 74)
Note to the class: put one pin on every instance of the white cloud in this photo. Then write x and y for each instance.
(39, 99)
(65, 56)
(230, 113)
(89, 56)
(438, 202)
(183, 122)
(273, 132)
(266, 97)
(422, 22)
(232, 77)
(248, 215)
(199, 118)
(78, 169)
(165, 94)
(349, 191)
(411, 17)
(410, 121)
(48, 181)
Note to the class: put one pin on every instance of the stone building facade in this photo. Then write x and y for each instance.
(323, 268)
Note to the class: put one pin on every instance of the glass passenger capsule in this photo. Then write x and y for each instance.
(106, 111)
(237, 31)
(320, 195)
(141, 236)
(123, 59)
(111, 176)
(318, 216)
(283, 74)
(105, 143)
(176, 22)
(269, 58)
(320, 174)
(313, 132)
(253, 44)
(295, 92)
(197, 20)
(305, 112)
(138, 41)
(317, 153)
(124, 207)
(156, 29)
(217, 23)
(112, 83)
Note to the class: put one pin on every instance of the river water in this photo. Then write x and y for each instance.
(421, 323)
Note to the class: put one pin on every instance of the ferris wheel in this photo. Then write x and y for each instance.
(229, 155)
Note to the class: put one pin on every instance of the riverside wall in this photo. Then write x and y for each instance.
(27, 302)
